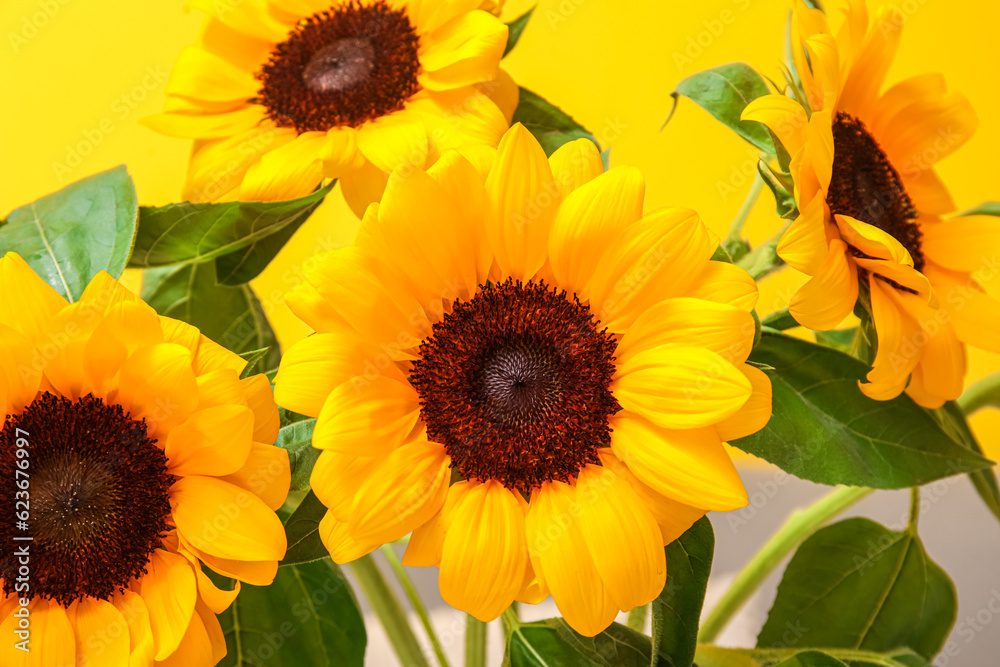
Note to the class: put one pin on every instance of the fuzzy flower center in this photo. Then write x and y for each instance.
(97, 498)
(516, 384)
(343, 66)
(865, 186)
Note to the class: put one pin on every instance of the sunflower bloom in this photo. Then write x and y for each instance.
(871, 205)
(147, 458)
(536, 379)
(280, 94)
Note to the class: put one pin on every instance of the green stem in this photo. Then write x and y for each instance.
(386, 606)
(637, 618)
(914, 509)
(796, 529)
(736, 228)
(475, 642)
(511, 621)
(981, 394)
(415, 601)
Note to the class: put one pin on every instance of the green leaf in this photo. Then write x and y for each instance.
(253, 358)
(515, 28)
(859, 585)
(825, 430)
(231, 316)
(302, 532)
(187, 232)
(780, 320)
(552, 643)
(69, 236)
(838, 339)
(677, 608)
(984, 481)
(724, 92)
(986, 208)
(549, 125)
(811, 659)
(242, 266)
(308, 616)
(296, 439)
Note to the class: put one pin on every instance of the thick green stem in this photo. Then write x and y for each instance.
(511, 621)
(736, 228)
(637, 618)
(389, 612)
(981, 394)
(796, 529)
(475, 642)
(914, 509)
(415, 601)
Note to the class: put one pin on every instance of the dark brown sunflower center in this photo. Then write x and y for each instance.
(516, 383)
(865, 186)
(96, 498)
(344, 66)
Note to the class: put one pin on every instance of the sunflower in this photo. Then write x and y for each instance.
(871, 204)
(280, 94)
(138, 456)
(518, 366)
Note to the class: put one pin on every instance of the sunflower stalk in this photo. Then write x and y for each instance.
(983, 394)
(390, 613)
(475, 642)
(418, 605)
(796, 530)
(734, 243)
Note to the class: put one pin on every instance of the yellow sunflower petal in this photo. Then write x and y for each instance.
(920, 88)
(974, 314)
(804, 244)
(928, 191)
(242, 50)
(897, 353)
(587, 220)
(725, 283)
(201, 75)
(250, 17)
(457, 119)
(169, 590)
(962, 244)
(690, 466)
(783, 116)
(217, 599)
(336, 478)
(427, 541)
(622, 537)
(719, 327)
(266, 474)
(463, 51)
(396, 141)
(755, 413)
(576, 163)
(867, 72)
(224, 520)
(368, 417)
(214, 441)
(256, 573)
(402, 492)
(260, 399)
(205, 125)
(289, 171)
(902, 274)
(672, 517)
(27, 303)
(157, 384)
(872, 241)
(338, 541)
(660, 257)
(197, 646)
(136, 615)
(676, 386)
(503, 90)
(21, 368)
(102, 635)
(828, 297)
(217, 166)
(525, 198)
(560, 554)
(485, 534)
(925, 132)
(363, 186)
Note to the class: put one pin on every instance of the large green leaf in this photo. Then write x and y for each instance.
(69, 236)
(515, 28)
(188, 232)
(552, 643)
(302, 532)
(678, 607)
(550, 126)
(296, 438)
(710, 655)
(308, 616)
(724, 92)
(242, 266)
(812, 659)
(231, 316)
(859, 585)
(824, 429)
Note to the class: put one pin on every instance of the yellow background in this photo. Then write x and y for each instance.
(76, 75)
